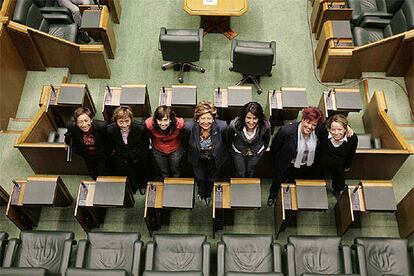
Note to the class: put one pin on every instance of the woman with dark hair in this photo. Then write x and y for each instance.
(336, 151)
(129, 145)
(248, 137)
(88, 139)
(165, 131)
(207, 152)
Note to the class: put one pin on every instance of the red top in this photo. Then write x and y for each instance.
(165, 143)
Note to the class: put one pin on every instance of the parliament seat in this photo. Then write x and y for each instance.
(108, 254)
(320, 255)
(372, 8)
(383, 256)
(3, 242)
(38, 253)
(245, 254)
(178, 254)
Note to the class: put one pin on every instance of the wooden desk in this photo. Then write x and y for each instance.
(28, 198)
(340, 101)
(335, 34)
(230, 101)
(160, 198)
(302, 195)
(96, 22)
(182, 98)
(216, 18)
(91, 203)
(325, 10)
(405, 215)
(223, 204)
(132, 95)
(4, 197)
(285, 104)
(368, 195)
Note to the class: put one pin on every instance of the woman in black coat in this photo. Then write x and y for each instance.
(88, 139)
(129, 146)
(336, 150)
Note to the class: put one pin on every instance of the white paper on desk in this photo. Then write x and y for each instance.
(209, 2)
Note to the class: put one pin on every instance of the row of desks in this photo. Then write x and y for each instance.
(95, 197)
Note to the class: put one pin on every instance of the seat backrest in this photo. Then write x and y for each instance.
(110, 250)
(402, 21)
(248, 59)
(314, 254)
(27, 13)
(248, 253)
(178, 252)
(42, 249)
(386, 256)
(180, 45)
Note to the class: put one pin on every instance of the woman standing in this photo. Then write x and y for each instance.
(165, 131)
(248, 136)
(336, 150)
(207, 152)
(129, 146)
(88, 139)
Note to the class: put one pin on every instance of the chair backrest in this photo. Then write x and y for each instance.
(385, 256)
(180, 45)
(110, 250)
(253, 58)
(313, 254)
(402, 21)
(43, 249)
(178, 252)
(27, 13)
(248, 253)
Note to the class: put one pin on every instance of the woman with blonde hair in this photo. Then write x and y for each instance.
(206, 148)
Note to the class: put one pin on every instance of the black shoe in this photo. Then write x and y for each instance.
(270, 201)
(85, 37)
(142, 191)
(207, 200)
(199, 197)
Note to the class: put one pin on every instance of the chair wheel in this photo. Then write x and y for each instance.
(231, 68)
(180, 80)
(163, 68)
(269, 75)
(203, 70)
(259, 92)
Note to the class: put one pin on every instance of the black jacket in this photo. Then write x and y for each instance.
(218, 139)
(137, 148)
(99, 133)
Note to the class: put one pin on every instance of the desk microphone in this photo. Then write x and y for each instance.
(163, 89)
(109, 90)
(53, 90)
(99, 4)
(274, 91)
(152, 187)
(356, 187)
(287, 188)
(219, 188)
(336, 43)
(84, 185)
(330, 4)
(17, 185)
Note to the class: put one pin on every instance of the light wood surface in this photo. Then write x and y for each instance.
(223, 8)
(405, 215)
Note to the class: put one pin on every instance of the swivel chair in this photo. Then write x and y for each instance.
(383, 256)
(253, 59)
(181, 47)
(38, 253)
(112, 254)
(314, 255)
(243, 254)
(178, 254)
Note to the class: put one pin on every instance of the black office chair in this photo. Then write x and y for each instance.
(253, 59)
(181, 47)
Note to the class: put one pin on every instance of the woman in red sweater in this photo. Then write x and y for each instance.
(165, 131)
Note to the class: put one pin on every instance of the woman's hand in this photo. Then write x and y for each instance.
(349, 132)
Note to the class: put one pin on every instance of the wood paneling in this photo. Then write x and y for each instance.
(404, 57)
(409, 83)
(223, 8)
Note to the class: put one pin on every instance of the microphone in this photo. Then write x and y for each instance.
(17, 185)
(287, 188)
(84, 185)
(218, 90)
(274, 91)
(356, 187)
(99, 4)
(109, 90)
(53, 90)
(330, 4)
(163, 89)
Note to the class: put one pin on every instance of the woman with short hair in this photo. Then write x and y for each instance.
(165, 131)
(129, 146)
(207, 151)
(248, 137)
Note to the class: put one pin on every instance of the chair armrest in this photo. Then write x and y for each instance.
(57, 18)
(163, 30)
(201, 35)
(206, 258)
(80, 254)
(149, 256)
(277, 257)
(273, 46)
(137, 258)
(360, 260)
(346, 255)
(220, 258)
(375, 22)
(67, 249)
(10, 251)
(234, 43)
(383, 15)
(290, 252)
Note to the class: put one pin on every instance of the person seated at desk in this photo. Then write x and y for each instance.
(293, 149)
(166, 131)
(336, 151)
(205, 142)
(72, 5)
(88, 139)
(248, 136)
(129, 146)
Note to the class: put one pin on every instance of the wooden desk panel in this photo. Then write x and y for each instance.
(223, 8)
(405, 215)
